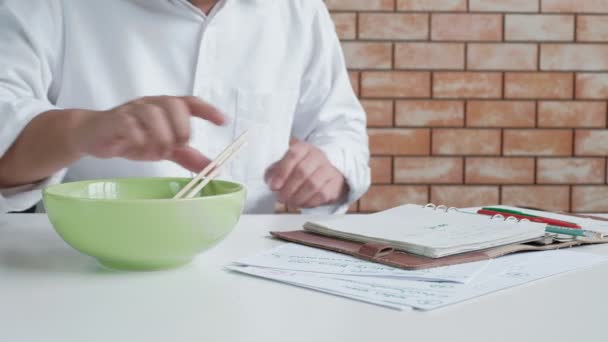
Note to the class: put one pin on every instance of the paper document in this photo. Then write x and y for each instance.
(296, 257)
(399, 293)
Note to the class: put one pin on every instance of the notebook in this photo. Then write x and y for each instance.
(429, 231)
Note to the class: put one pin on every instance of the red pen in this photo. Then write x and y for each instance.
(538, 219)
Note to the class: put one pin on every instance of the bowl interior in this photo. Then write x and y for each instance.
(137, 189)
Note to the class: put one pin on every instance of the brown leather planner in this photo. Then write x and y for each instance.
(385, 254)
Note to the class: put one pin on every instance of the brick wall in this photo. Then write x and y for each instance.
(482, 101)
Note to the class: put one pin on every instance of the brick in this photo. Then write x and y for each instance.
(393, 26)
(368, 55)
(592, 28)
(361, 5)
(590, 199)
(382, 170)
(382, 197)
(571, 170)
(354, 81)
(539, 27)
(592, 86)
(575, 6)
(429, 56)
(571, 114)
(539, 85)
(429, 113)
(400, 84)
(399, 141)
(499, 170)
(379, 113)
(501, 114)
(428, 170)
(583, 57)
(346, 24)
(466, 141)
(467, 85)
(591, 142)
(435, 5)
(464, 195)
(502, 57)
(504, 5)
(537, 142)
(466, 27)
(545, 197)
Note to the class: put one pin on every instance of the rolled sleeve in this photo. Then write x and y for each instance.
(26, 196)
(19, 114)
(29, 56)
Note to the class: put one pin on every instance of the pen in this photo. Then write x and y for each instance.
(574, 232)
(533, 218)
(508, 211)
(593, 217)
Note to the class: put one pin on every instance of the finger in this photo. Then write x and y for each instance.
(280, 173)
(112, 137)
(189, 158)
(135, 141)
(317, 200)
(269, 172)
(314, 184)
(299, 176)
(331, 192)
(178, 114)
(325, 196)
(159, 135)
(204, 110)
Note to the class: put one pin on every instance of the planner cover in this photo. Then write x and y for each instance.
(385, 254)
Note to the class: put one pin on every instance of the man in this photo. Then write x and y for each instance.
(79, 97)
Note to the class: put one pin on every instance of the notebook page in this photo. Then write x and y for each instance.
(429, 232)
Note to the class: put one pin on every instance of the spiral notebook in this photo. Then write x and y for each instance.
(429, 231)
(418, 237)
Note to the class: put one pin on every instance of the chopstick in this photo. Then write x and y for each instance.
(212, 170)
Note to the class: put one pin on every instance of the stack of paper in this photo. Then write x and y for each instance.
(400, 289)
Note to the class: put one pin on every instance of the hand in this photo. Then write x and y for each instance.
(304, 178)
(149, 128)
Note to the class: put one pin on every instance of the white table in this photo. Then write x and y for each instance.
(49, 292)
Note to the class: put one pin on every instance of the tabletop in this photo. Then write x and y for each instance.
(49, 292)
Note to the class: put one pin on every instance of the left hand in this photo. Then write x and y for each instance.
(305, 178)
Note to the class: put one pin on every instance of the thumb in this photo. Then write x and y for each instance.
(190, 158)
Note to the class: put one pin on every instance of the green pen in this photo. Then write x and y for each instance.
(574, 232)
(508, 211)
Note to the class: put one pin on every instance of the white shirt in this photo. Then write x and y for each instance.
(275, 66)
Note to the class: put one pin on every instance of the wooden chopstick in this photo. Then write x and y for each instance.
(212, 174)
(212, 169)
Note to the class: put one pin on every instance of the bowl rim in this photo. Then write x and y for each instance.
(48, 191)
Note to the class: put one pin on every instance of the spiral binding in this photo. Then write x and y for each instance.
(442, 208)
(508, 218)
(446, 209)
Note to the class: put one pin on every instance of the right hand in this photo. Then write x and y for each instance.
(148, 129)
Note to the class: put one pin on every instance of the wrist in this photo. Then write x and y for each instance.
(76, 138)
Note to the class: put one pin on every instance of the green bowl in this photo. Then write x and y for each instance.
(134, 224)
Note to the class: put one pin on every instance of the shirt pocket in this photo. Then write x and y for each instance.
(268, 116)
